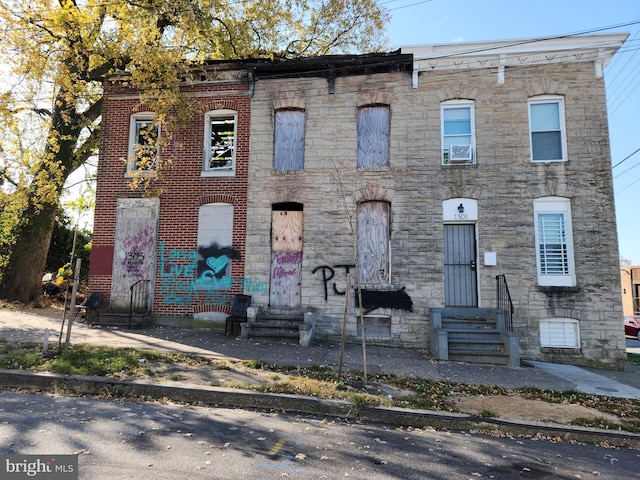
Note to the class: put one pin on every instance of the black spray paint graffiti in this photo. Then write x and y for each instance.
(397, 299)
(371, 299)
(327, 270)
(214, 265)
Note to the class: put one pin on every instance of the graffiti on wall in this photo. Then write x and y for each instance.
(374, 299)
(190, 275)
(371, 299)
(135, 246)
(213, 267)
(327, 274)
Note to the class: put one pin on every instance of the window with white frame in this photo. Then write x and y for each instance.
(144, 149)
(220, 141)
(288, 148)
(560, 333)
(554, 242)
(547, 129)
(458, 132)
(373, 136)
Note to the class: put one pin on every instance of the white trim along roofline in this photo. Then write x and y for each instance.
(510, 53)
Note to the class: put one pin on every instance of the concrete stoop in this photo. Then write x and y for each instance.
(473, 335)
(280, 324)
(121, 319)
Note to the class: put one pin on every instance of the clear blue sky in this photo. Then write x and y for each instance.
(416, 22)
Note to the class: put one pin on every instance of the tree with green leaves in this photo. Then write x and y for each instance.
(56, 54)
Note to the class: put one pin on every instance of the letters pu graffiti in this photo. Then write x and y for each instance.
(326, 269)
(371, 299)
(189, 275)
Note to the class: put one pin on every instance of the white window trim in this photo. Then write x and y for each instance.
(563, 206)
(457, 104)
(221, 171)
(545, 332)
(131, 155)
(563, 130)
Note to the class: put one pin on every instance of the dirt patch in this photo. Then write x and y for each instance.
(518, 409)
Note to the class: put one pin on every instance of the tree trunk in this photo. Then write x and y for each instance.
(22, 279)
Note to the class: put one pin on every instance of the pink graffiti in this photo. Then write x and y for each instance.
(286, 264)
(140, 241)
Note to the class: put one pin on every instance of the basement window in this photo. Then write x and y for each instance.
(560, 333)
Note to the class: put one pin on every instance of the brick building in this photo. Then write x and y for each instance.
(182, 250)
(435, 175)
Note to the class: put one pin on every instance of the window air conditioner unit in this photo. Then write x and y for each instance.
(460, 153)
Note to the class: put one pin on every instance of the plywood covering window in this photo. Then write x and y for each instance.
(373, 136)
(288, 149)
(373, 242)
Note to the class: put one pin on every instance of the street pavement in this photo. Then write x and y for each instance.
(34, 325)
(29, 325)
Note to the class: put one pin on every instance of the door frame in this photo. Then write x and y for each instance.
(462, 211)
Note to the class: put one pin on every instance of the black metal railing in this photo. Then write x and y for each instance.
(504, 300)
(139, 299)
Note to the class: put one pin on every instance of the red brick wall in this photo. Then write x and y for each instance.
(183, 188)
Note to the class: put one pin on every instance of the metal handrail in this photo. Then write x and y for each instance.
(139, 293)
(504, 299)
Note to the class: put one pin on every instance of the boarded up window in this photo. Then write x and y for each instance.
(373, 242)
(288, 151)
(215, 250)
(373, 137)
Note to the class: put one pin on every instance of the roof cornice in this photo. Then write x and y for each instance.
(515, 53)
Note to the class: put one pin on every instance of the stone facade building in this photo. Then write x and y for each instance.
(428, 179)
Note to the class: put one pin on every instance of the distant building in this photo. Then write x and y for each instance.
(443, 177)
(630, 285)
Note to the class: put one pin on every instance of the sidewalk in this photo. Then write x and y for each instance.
(29, 326)
(535, 419)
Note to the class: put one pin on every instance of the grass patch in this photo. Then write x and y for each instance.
(633, 358)
(313, 381)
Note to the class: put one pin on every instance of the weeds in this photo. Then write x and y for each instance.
(314, 381)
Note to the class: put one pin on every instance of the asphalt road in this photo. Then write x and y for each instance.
(154, 441)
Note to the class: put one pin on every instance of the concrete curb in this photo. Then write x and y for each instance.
(234, 398)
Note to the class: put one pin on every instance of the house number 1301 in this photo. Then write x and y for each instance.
(461, 216)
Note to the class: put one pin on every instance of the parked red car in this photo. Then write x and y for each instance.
(632, 326)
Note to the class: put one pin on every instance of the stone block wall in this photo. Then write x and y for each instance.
(504, 182)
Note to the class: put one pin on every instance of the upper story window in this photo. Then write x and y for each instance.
(288, 148)
(458, 132)
(373, 136)
(144, 148)
(220, 142)
(554, 242)
(547, 129)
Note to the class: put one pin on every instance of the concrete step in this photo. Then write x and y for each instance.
(471, 336)
(480, 356)
(118, 319)
(454, 323)
(271, 317)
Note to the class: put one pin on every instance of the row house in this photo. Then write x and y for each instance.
(456, 197)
